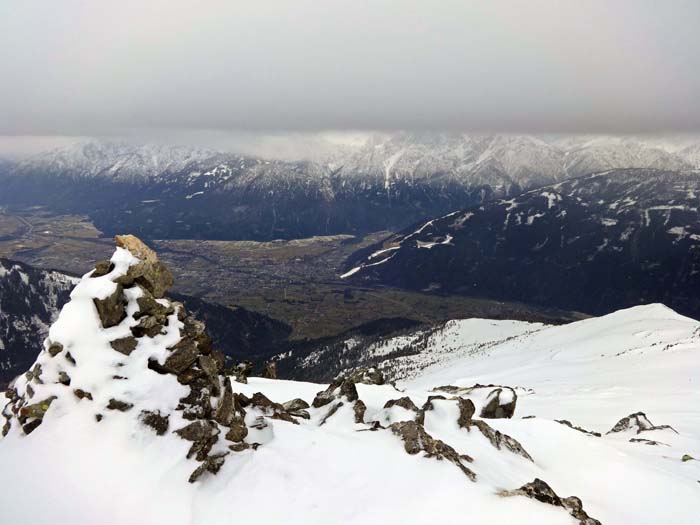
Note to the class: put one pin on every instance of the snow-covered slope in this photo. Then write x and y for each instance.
(592, 244)
(29, 303)
(385, 182)
(128, 400)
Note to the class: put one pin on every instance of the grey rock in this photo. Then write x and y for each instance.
(55, 349)
(121, 406)
(497, 407)
(638, 422)
(102, 268)
(416, 440)
(125, 345)
(541, 491)
(155, 420)
(111, 310)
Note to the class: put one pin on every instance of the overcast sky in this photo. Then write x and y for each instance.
(106, 67)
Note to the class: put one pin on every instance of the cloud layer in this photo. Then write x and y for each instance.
(121, 66)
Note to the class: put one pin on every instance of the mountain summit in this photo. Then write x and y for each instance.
(128, 401)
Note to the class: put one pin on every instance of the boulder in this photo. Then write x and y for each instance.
(337, 389)
(55, 349)
(183, 355)
(367, 376)
(125, 345)
(403, 402)
(121, 406)
(500, 403)
(237, 431)
(112, 309)
(149, 272)
(82, 394)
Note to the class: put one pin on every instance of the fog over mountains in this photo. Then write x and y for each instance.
(387, 181)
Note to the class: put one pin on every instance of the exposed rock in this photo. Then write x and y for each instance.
(337, 389)
(183, 355)
(35, 410)
(242, 371)
(208, 364)
(155, 420)
(295, 405)
(416, 440)
(224, 412)
(150, 273)
(149, 326)
(211, 464)
(102, 268)
(450, 389)
(270, 370)
(121, 406)
(238, 431)
(583, 430)
(203, 435)
(499, 439)
(149, 306)
(125, 345)
(196, 404)
(403, 402)
(359, 411)
(82, 394)
(271, 409)
(63, 378)
(112, 309)
(647, 441)
(297, 408)
(639, 423)
(70, 358)
(499, 404)
(540, 491)
(334, 408)
(687, 457)
(367, 376)
(466, 411)
(239, 447)
(55, 349)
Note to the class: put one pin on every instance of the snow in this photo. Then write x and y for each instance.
(72, 469)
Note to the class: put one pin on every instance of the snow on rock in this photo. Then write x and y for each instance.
(128, 401)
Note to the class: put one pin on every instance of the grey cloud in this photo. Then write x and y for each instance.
(117, 67)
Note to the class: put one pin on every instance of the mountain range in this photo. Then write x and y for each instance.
(593, 243)
(385, 182)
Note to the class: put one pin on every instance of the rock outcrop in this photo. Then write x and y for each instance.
(637, 423)
(500, 403)
(542, 492)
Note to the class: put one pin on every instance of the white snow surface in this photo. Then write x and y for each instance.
(593, 372)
